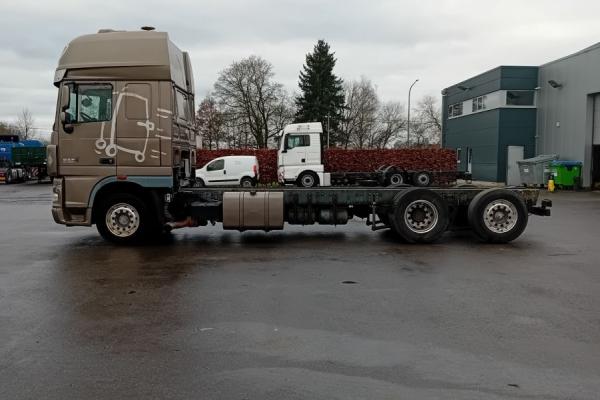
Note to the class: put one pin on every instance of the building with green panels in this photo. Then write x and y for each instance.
(490, 120)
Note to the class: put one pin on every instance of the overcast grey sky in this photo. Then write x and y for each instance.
(390, 42)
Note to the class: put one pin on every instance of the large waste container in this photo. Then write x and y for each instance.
(536, 170)
(566, 173)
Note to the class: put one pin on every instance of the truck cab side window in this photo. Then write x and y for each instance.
(216, 165)
(71, 112)
(182, 106)
(297, 141)
(89, 103)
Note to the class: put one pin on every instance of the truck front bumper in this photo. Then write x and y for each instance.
(58, 215)
(80, 217)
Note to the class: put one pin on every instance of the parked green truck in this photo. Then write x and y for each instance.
(22, 160)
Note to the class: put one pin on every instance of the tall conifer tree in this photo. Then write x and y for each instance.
(322, 92)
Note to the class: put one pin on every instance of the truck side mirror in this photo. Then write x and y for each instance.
(67, 127)
(65, 100)
(65, 97)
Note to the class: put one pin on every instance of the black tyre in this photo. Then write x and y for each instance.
(497, 215)
(308, 179)
(420, 216)
(200, 182)
(124, 218)
(9, 177)
(247, 182)
(395, 179)
(422, 178)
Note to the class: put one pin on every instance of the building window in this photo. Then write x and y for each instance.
(479, 103)
(520, 97)
(455, 110)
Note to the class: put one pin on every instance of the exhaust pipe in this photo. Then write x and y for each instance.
(189, 222)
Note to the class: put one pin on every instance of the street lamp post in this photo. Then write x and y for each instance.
(408, 119)
(327, 130)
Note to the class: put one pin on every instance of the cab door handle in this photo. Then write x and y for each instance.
(107, 161)
(224, 172)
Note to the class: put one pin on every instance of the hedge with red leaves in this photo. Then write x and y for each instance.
(340, 160)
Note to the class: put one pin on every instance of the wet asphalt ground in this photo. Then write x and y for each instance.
(307, 313)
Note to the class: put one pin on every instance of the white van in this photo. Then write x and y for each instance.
(229, 171)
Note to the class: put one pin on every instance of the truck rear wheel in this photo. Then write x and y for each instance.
(420, 216)
(422, 179)
(395, 179)
(308, 179)
(497, 215)
(123, 218)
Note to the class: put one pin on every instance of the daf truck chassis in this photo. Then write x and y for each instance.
(123, 153)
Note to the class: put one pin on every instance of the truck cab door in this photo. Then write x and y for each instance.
(294, 153)
(137, 136)
(88, 118)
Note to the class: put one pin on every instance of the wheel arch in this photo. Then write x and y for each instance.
(149, 195)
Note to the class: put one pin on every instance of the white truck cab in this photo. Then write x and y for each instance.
(299, 157)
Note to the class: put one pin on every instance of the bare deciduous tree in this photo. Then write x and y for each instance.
(253, 106)
(6, 128)
(428, 124)
(391, 122)
(24, 124)
(359, 122)
(209, 122)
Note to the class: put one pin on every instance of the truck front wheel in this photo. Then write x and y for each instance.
(122, 218)
(308, 179)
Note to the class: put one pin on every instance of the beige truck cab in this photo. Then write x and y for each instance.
(124, 129)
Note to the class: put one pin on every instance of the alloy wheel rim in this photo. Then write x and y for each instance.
(500, 216)
(308, 181)
(396, 179)
(122, 220)
(421, 216)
